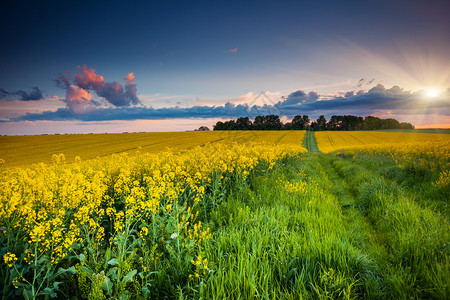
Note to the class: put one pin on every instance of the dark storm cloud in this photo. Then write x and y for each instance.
(33, 95)
(376, 99)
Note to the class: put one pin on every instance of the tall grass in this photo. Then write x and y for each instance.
(415, 237)
(283, 237)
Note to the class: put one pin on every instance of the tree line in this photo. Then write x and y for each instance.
(347, 122)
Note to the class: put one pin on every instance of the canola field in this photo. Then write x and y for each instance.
(331, 141)
(23, 151)
(227, 215)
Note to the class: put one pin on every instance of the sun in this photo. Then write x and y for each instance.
(432, 93)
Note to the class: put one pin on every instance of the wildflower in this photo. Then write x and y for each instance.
(144, 231)
(9, 259)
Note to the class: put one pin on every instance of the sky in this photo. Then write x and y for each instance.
(116, 66)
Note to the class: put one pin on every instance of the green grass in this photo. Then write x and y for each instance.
(351, 233)
(310, 142)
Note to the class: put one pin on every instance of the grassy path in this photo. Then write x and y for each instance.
(285, 237)
(326, 227)
(310, 142)
(408, 241)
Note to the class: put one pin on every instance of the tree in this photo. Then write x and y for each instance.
(306, 121)
(272, 122)
(202, 128)
(321, 123)
(228, 125)
(243, 123)
(258, 123)
(371, 123)
(404, 125)
(334, 123)
(299, 122)
(219, 126)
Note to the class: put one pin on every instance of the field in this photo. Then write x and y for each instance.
(331, 141)
(22, 151)
(226, 215)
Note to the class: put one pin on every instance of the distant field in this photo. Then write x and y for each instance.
(429, 130)
(20, 151)
(329, 141)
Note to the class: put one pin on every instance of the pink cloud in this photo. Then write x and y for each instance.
(234, 50)
(77, 98)
(129, 79)
(87, 79)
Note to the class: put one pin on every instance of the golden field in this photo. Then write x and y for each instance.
(22, 151)
(331, 141)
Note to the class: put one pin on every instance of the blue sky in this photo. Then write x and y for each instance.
(189, 58)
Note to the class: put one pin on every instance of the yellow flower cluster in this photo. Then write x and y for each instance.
(201, 265)
(331, 141)
(9, 259)
(154, 196)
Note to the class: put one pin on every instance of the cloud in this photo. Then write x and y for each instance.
(234, 50)
(364, 82)
(87, 80)
(299, 97)
(34, 95)
(77, 99)
(262, 98)
(62, 81)
(131, 88)
(394, 100)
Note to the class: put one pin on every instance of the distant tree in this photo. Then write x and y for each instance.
(404, 125)
(297, 123)
(269, 122)
(391, 124)
(351, 122)
(334, 123)
(219, 126)
(287, 126)
(258, 123)
(272, 122)
(306, 121)
(371, 123)
(321, 123)
(244, 123)
(346, 122)
(300, 122)
(202, 128)
(230, 125)
(227, 125)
